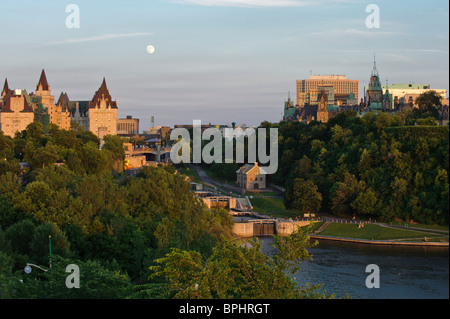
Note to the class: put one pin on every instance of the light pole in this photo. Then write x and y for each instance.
(27, 268)
(50, 250)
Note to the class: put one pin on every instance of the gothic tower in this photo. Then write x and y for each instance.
(45, 108)
(374, 94)
(322, 107)
(103, 113)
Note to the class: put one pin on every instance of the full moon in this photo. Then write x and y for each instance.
(150, 49)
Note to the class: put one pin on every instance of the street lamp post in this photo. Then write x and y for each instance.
(27, 268)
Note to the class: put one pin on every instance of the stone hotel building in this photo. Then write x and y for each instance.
(18, 109)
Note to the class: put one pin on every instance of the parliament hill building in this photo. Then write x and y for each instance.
(319, 98)
(18, 108)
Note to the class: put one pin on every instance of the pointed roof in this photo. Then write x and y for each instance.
(103, 93)
(5, 88)
(322, 96)
(63, 101)
(248, 167)
(43, 82)
(374, 83)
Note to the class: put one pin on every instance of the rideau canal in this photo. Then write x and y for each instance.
(405, 272)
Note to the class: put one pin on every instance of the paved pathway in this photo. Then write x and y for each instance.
(224, 186)
(206, 179)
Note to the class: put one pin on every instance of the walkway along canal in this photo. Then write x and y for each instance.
(265, 226)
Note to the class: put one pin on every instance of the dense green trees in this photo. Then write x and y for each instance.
(73, 191)
(131, 237)
(372, 166)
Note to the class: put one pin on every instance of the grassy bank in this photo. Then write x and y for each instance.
(190, 172)
(273, 206)
(372, 231)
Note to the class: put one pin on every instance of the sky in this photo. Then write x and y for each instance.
(218, 61)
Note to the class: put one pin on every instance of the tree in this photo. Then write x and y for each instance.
(367, 203)
(46, 155)
(344, 193)
(8, 215)
(114, 144)
(20, 236)
(7, 161)
(305, 196)
(429, 100)
(237, 271)
(94, 160)
(39, 246)
(429, 103)
(9, 183)
(6, 275)
(34, 131)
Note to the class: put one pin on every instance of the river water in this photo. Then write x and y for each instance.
(404, 272)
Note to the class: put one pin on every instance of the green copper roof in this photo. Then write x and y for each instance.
(290, 112)
(407, 86)
(332, 108)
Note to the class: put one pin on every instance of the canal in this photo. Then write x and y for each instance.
(405, 272)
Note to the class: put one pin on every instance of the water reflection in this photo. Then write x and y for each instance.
(405, 272)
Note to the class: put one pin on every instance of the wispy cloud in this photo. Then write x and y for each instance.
(98, 38)
(355, 32)
(426, 50)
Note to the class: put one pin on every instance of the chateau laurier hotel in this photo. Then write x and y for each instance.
(18, 108)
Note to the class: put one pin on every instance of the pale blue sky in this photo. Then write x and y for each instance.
(219, 61)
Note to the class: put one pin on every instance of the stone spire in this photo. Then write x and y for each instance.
(374, 70)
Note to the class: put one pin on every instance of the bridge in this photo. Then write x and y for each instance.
(152, 154)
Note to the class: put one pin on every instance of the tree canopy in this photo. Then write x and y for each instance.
(73, 204)
(372, 166)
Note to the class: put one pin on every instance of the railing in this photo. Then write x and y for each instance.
(346, 221)
(262, 221)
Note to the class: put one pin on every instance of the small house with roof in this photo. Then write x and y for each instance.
(250, 177)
